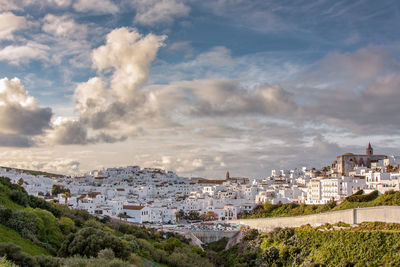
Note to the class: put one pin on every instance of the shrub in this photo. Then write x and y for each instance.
(107, 254)
(23, 223)
(90, 241)
(172, 243)
(15, 254)
(363, 198)
(250, 235)
(20, 198)
(5, 215)
(217, 246)
(5, 263)
(281, 234)
(271, 255)
(48, 261)
(66, 225)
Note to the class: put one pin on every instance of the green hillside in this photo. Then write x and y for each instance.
(5, 201)
(8, 235)
(34, 232)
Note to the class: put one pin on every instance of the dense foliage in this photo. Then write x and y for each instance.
(324, 246)
(357, 200)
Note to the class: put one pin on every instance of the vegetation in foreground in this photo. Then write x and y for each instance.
(34, 232)
(357, 200)
(371, 244)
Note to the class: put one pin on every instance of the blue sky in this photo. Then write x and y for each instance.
(197, 87)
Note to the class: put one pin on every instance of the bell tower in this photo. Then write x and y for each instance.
(369, 151)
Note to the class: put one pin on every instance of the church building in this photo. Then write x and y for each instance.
(346, 162)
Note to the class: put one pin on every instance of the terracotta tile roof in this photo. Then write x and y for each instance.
(132, 207)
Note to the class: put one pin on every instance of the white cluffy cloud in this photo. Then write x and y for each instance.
(18, 5)
(127, 54)
(104, 6)
(20, 54)
(152, 12)
(9, 23)
(63, 26)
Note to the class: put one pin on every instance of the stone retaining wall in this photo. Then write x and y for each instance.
(351, 216)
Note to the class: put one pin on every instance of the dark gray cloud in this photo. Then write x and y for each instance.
(69, 132)
(12, 140)
(21, 118)
(211, 98)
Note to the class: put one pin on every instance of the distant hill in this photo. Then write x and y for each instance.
(33, 172)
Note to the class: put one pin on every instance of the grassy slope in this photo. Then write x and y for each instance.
(8, 235)
(5, 201)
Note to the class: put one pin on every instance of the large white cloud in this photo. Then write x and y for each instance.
(9, 23)
(127, 55)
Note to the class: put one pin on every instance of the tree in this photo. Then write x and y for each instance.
(15, 254)
(20, 181)
(193, 215)
(180, 215)
(90, 241)
(20, 198)
(59, 189)
(209, 216)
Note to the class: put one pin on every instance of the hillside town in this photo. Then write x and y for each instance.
(152, 195)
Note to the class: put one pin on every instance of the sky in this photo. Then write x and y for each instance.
(197, 87)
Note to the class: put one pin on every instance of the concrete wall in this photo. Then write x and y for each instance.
(211, 236)
(350, 216)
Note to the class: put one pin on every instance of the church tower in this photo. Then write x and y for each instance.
(369, 150)
(227, 175)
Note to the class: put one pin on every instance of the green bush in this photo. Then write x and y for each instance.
(250, 234)
(363, 198)
(281, 234)
(15, 254)
(271, 255)
(20, 198)
(5, 215)
(217, 246)
(6, 263)
(172, 243)
(90, 241)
